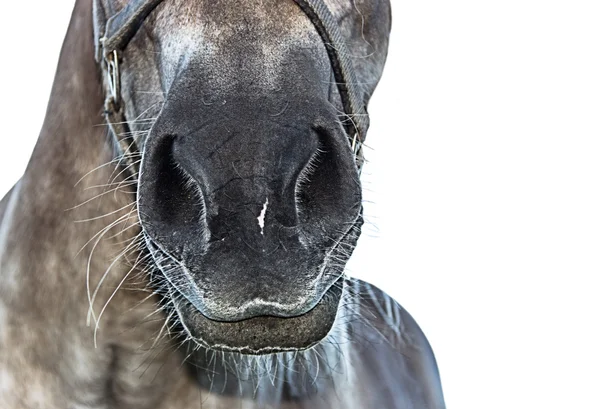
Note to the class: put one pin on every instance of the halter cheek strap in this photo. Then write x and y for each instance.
(114, 34)
(343, 69)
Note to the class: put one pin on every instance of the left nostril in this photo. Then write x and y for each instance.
(325, 188)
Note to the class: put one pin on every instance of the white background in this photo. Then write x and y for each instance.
(484, 183)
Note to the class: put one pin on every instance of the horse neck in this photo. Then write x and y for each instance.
(71, 141)
(74, 152)
(40, 236)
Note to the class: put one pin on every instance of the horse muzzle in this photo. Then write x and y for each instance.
(247, 216)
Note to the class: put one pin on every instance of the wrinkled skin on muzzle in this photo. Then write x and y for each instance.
(248, 197)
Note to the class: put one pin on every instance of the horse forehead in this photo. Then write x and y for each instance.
(230, 22)
(285, 12)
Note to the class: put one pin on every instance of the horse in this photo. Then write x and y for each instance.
(179, 237)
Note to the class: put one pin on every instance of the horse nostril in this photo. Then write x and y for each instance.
(181, 196)
(326, 192)
(169, 198)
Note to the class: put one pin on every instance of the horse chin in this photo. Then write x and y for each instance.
(262, 334)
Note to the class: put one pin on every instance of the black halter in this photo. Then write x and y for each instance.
(114, 34)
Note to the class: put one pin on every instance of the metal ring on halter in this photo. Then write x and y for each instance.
(114, 80)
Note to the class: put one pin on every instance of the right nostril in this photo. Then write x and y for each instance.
(168, 194)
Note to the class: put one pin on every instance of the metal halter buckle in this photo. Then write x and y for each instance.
(354, 145)
(114, 80)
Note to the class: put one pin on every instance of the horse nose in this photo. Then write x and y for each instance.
(240, 176)
(249, 173)
(226, 179)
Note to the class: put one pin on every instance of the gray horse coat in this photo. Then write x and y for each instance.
(214, 277)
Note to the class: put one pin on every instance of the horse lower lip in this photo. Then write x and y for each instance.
(263, 334)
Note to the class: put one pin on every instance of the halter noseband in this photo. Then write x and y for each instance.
(114, 34)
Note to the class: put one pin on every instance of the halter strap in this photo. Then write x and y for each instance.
(343, 69)
(114, 34)
(119, 29)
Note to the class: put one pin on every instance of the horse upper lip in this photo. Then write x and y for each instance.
(262, 334)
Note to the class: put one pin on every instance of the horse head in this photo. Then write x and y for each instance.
(245, 157)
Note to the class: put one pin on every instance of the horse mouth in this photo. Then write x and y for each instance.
(262, 334)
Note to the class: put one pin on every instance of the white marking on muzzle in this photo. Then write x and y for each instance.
(261, 217)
